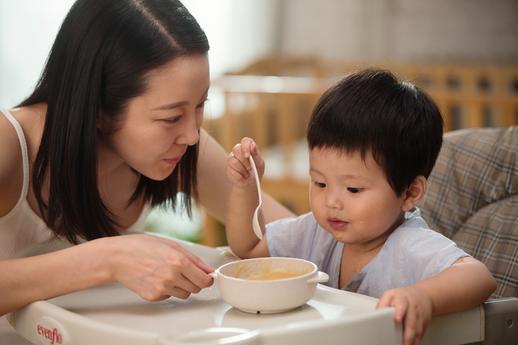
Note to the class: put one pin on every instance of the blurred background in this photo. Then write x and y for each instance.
(271, 59)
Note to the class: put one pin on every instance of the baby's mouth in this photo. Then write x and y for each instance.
(336, 223)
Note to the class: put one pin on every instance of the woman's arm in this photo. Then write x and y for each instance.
(214, 187)
(154, 268)
(45, 276)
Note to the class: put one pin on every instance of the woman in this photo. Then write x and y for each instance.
(111, 129)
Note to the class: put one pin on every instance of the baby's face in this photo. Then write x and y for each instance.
(351, 197)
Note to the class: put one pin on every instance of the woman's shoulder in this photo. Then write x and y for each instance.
(31, 120)
(11, 166)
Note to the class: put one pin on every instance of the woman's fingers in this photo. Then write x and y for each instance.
(156, 268)
(196, 260)
(179, 293)
(185, 284)
(194, 272)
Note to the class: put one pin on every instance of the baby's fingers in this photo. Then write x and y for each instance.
(385, 300)
(236, 171)
(237, 161)
(400, 303)
(247, 147)
(413, 327)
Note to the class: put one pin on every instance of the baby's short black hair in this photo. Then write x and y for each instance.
(372, 110)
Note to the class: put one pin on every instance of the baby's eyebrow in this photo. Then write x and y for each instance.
(352, 176)
(346, 177)
(343, 176)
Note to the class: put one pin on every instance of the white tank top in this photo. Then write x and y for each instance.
(22, 231)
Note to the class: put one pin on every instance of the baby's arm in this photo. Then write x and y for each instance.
(243, 200)
(466, 284)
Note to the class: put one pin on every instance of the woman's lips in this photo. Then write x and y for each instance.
(172, 161)
(336, 224)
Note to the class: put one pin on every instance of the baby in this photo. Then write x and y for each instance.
(373, 142)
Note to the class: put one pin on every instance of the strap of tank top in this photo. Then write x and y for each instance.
(25, 155)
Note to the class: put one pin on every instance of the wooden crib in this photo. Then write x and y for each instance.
(272, 99)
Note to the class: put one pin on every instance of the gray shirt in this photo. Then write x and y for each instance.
(411, 253)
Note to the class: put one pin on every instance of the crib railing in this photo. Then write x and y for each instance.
(274, 109)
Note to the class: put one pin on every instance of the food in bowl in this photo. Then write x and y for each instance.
(272, 275)
(267, 269)
(268, 285)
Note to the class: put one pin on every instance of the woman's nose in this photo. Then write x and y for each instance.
(190, 133)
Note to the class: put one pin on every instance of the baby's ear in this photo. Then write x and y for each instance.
(414, 193)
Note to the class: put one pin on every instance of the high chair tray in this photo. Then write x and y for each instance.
(111, 314)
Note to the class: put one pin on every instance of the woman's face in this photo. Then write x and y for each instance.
(160, 124)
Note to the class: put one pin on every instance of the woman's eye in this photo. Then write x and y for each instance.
(354, 189)
(201, 105)
(172, 119)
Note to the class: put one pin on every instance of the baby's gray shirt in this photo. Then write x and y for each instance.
(411, 253)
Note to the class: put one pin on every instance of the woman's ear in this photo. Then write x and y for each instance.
(414, 193)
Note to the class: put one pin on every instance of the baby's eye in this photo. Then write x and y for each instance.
(320, 184)
(354, 189)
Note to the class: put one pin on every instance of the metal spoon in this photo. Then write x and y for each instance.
(255, 219)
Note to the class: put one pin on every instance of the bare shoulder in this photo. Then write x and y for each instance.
(11, 178)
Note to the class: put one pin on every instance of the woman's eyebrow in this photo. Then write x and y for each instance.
(180, 103)
(171, 105)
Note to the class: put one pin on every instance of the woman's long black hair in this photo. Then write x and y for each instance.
(98, 62)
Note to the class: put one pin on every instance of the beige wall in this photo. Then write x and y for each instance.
(473, 30)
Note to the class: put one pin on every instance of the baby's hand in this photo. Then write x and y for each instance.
(413, 308)
(239, 170)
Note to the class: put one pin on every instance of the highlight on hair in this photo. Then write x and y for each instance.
(98, 62)
(372, 111)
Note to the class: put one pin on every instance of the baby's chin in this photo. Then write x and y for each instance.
(339, 235)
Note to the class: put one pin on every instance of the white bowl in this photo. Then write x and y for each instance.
(268, 285)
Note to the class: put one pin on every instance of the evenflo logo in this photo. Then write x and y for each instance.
(50, 332)
(53, 336)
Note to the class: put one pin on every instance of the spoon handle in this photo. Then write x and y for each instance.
(257, 182)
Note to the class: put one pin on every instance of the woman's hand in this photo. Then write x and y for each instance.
(239, 170)
(156, 268)
(413, 309)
